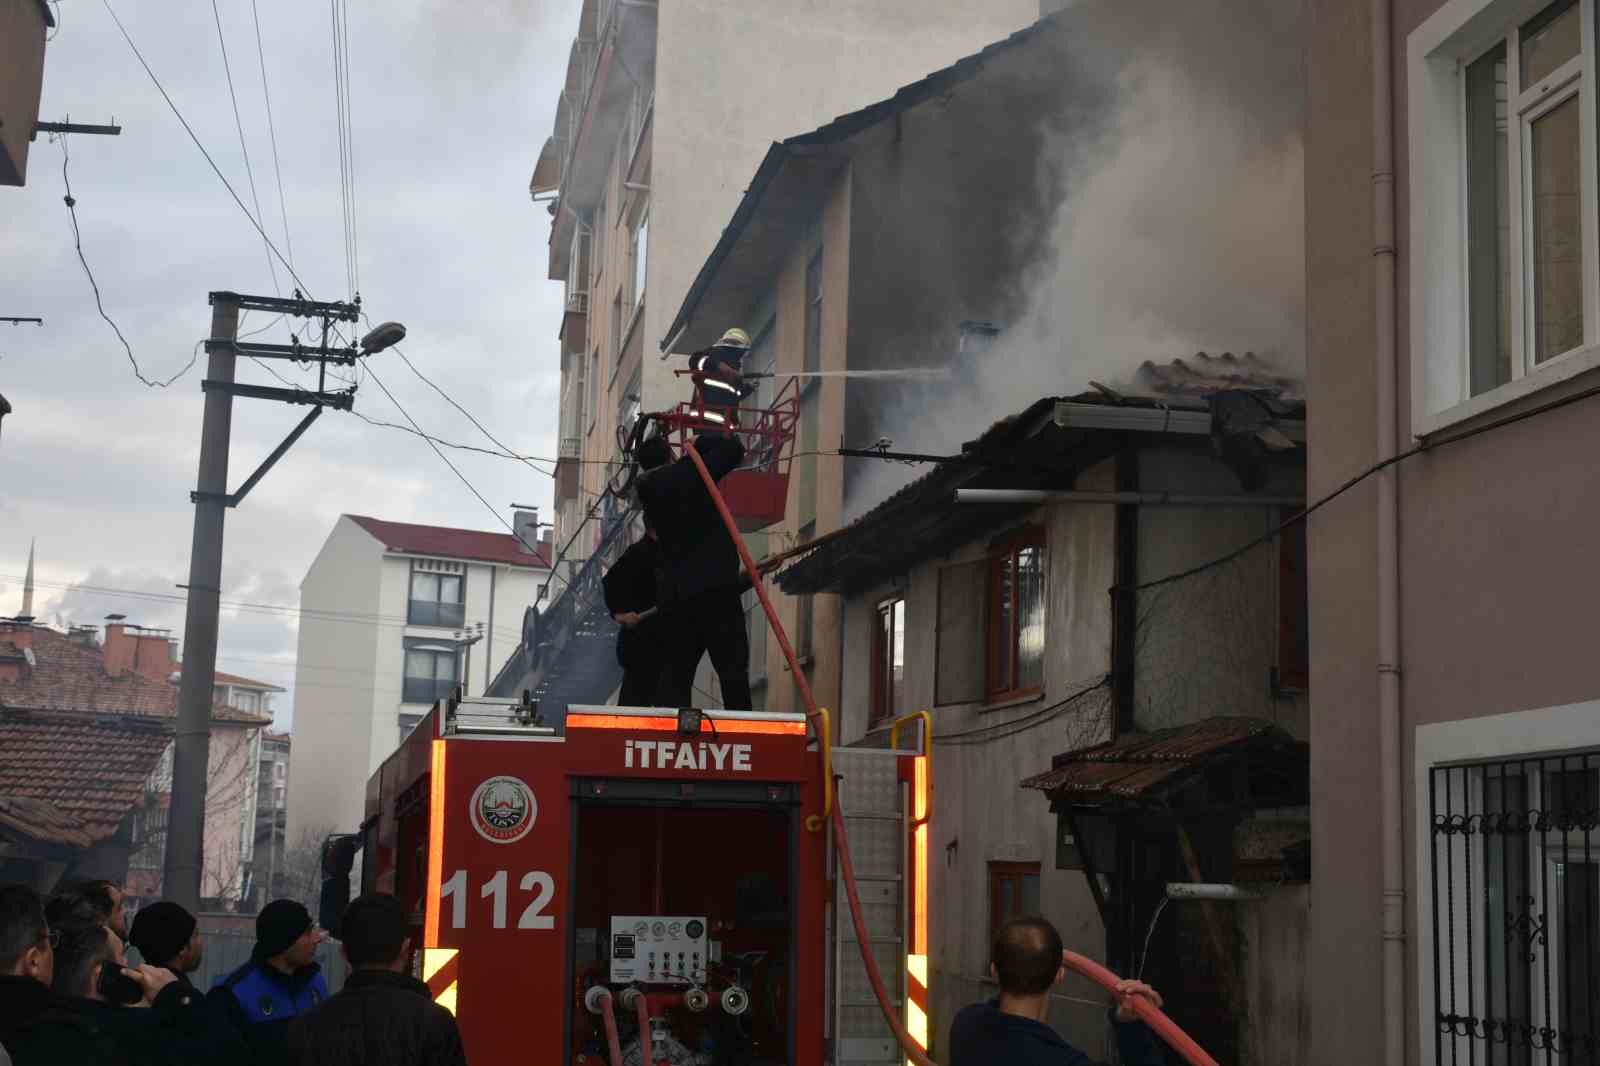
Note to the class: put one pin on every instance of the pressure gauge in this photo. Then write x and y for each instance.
(675, 930)
(659, 930)
(696, 929)
(641, 930)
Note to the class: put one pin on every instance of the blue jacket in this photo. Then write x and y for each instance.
(264, 1001)
(982, 1034)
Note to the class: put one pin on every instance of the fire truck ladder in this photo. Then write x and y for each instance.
(914, 1052)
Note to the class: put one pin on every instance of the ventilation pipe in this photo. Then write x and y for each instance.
(1391, 829)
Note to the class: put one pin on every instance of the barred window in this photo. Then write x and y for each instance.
(1516, 910)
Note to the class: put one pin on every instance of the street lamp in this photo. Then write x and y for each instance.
(384, 335)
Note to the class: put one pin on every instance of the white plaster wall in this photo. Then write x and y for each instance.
(722, 99)
(979, 813)
(335, 686)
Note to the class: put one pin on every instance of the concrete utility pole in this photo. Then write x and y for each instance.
(180, 877)
(182, 863)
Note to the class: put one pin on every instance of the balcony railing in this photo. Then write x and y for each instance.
(571, 448)
(578, 303)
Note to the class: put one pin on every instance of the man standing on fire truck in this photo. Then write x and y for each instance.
(698, 580)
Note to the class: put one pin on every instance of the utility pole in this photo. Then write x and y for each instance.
(186, 820)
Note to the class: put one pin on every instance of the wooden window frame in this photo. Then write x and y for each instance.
(1000, 678)
(884, 693)
(1001, 873)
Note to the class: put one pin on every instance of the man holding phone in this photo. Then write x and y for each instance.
(89, 1021)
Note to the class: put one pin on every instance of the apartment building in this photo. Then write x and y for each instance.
(393, 617)
(665, 113)
(1453, 290)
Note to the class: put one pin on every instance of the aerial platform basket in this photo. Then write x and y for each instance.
(758, 492)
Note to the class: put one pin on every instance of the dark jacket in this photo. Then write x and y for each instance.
(983, 1035)
(630, 585)
(262, 1002)
(378, 1019)
(22, 999)
(697, 554)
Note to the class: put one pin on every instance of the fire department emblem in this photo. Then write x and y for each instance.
(503, 810)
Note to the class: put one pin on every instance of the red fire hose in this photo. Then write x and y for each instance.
(1147, 1011)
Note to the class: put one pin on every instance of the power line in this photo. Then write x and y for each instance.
(350, 144)
(193, 137)
(272, 133)
(77, 243)
(344, 170)
(445, 459)
(227, 69)
(988, 734)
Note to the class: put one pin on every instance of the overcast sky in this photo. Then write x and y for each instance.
(450, 104)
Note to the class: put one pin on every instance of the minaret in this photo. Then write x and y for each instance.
(27, 587)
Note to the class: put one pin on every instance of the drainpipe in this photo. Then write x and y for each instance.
(1391, 828)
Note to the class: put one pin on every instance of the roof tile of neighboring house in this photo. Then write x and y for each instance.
(67, 675)
(244, 682)
(453, 543)
(76, 775)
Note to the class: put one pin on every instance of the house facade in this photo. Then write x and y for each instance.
(1002, 617)
(652, 149)
(1453, 289)
(80, 686)
(272, 817)
(393, 617)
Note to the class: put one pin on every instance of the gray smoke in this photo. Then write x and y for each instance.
(1180, 225)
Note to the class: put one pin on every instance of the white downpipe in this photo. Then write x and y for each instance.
(1391, 828)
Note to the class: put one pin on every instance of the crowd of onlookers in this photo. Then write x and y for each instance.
(69, 994)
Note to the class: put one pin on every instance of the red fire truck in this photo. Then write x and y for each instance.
(657, 883)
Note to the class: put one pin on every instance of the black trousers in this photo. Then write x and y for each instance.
(641, 684)
(713, 623)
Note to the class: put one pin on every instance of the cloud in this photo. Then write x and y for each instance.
(450, 105)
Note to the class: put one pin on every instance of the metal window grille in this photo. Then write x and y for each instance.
(1516, 911)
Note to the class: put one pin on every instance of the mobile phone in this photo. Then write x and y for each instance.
(117, 987)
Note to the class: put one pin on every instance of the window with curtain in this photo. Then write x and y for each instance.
(432, 670)
(888, 658)
(1016, 620)
(436, 600)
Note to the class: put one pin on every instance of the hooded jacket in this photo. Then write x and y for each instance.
(379, 1018)
(984, 1035)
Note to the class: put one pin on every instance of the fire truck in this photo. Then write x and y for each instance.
(641, 886)
(668, 887)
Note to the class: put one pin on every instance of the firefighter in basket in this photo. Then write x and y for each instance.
(719, 376)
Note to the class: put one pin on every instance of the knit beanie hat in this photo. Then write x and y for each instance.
(278, 926)
(160, 931)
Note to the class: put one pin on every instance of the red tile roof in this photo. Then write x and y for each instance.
(453, 543)
(71, 778)
(68, 675)
(244, 682)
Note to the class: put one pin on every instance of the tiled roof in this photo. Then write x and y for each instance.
(68, 675)
(244, 682)
(1145, 768)
(453, 543)
(42, 821)
(90, 769)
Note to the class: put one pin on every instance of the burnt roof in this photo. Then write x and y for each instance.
(1027, 450)
(1155, 769)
